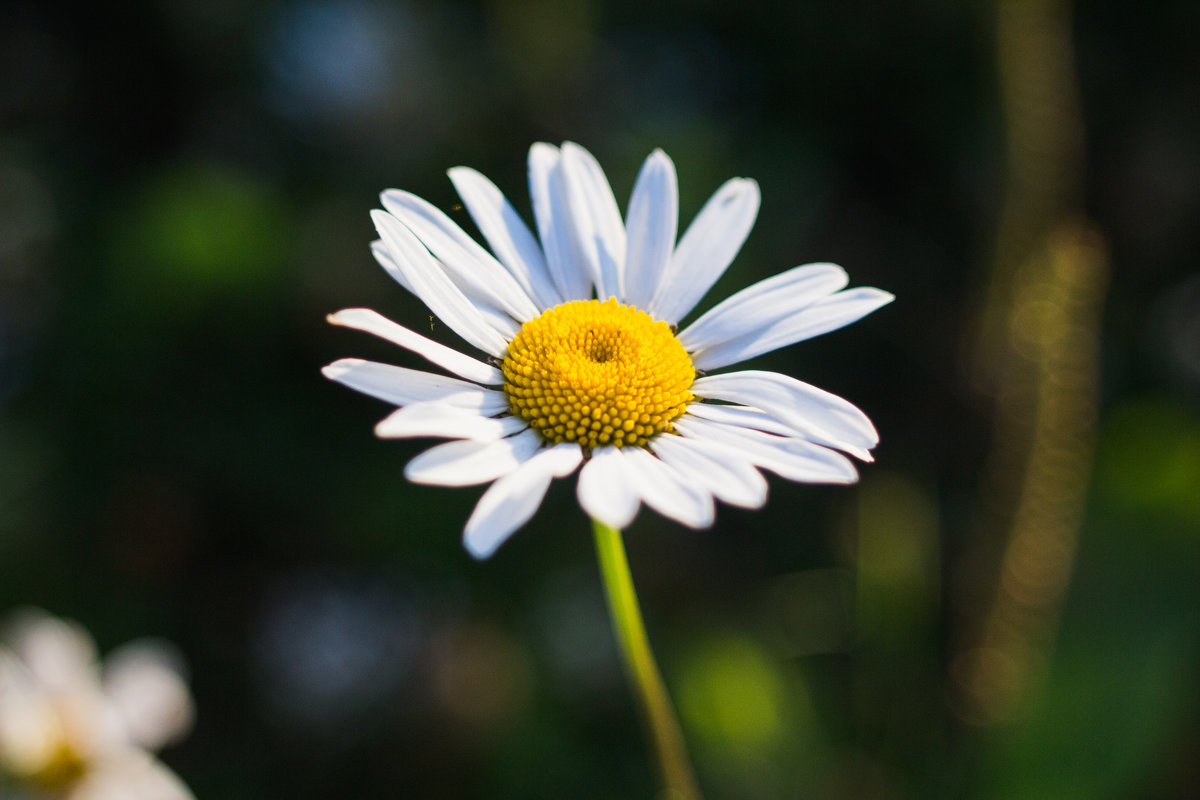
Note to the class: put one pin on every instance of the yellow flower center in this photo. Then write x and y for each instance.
(60, 766)
(598, 374)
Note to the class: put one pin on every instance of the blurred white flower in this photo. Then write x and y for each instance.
(72, 728)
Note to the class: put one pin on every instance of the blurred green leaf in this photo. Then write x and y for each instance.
(1149, 458)
(197, 229)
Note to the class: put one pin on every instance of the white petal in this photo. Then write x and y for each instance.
(401, 386)
(820, 415)
(30, 718)
(598, 235)
(548, 192)
(384, 257)
(707, 248)
(604, 489)
(742, 417)
(507, 235)
(667, 491)
(144, 683)
(434, 418)
(763, 303)
(465, 463)
(746, 417)
(418, 271)
(505, 325)
(128, 774)
(512, 500)
(472, 369)
(493, 316)
(826, 314)
(650, 227)
(475, 269)
(792, 458)
(59, 653)
(717, 468)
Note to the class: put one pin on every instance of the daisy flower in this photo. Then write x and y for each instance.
(586, 366)
(73, 728)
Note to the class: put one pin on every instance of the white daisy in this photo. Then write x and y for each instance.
(585, 363)
(72, 728)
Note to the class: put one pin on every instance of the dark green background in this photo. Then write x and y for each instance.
(184, 189)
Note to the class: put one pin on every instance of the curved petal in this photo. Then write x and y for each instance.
(604, 490)
(548, 192)
(667, 491)
(426, 279)
(789, 457)
(435, 418)
(827, 314)
(819, 415)
(598, 234)
(364, 319)
(464, 463)
(58, 653)
(384, 257)
(763, 303)
(144, 683)
(128, 773)
(475, 268)
(505, 325)
(742, 417)
(651, 225)
(512, 500)
(718, 469)
(707, 248)
(506, 233)
(401, 386)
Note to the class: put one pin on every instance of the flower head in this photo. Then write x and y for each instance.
(586, 366)
(76, 729)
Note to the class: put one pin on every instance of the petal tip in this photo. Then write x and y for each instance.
(380, 218)
(480, 547)
(749, 185)
(479, 554)
(573, 151)
(346, 316)
(543, 150)
(340, 367)
(659, 156)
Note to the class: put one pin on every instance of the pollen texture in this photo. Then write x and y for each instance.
(598, 374)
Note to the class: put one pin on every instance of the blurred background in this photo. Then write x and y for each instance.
(1005, 607)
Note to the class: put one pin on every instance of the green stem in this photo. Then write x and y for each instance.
(678, 781)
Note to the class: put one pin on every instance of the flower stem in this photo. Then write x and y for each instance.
(678, 780)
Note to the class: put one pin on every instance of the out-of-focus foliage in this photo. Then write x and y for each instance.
(184, 190)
